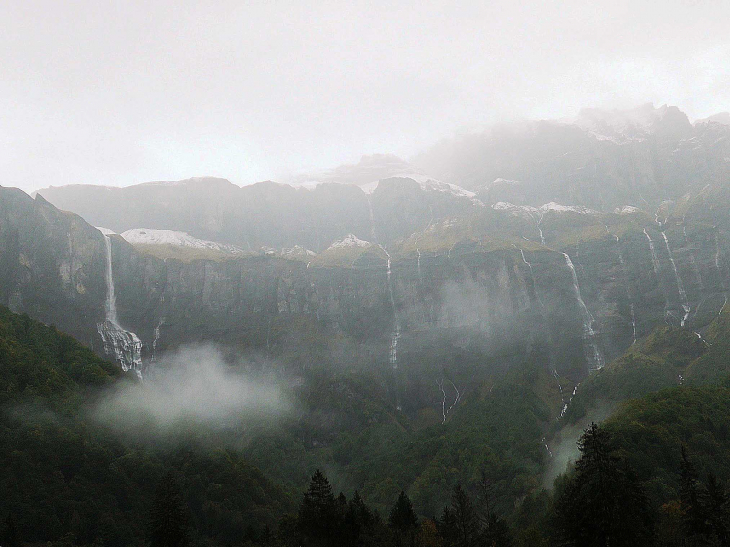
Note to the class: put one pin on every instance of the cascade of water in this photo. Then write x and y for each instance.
(158, 333)
(633, 321)
(547, 447)
(418, 262)
(719, 271)
(457, 397)
(395, 335)
(705, 342)
(570, 400)
(532, 273)
(654, 259)
(680, 286)
(626, 279)
(445, 411)
(562, 397)
(125, 346)
(655, 264)
(440, 383)
(111, 298)
(594, 356)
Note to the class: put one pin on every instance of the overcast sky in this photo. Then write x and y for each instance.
(125, 92)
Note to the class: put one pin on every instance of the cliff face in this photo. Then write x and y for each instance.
(51, 264)
(448, 290)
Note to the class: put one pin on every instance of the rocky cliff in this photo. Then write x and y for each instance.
(572, 286)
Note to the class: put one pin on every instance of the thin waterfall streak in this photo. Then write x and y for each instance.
(443, 401)
(589, 334)
(680, 285)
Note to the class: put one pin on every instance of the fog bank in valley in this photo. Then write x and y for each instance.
(193, 385)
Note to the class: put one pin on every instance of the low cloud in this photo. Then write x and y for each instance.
(195, 386)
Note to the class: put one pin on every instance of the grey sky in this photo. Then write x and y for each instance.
(124, 92)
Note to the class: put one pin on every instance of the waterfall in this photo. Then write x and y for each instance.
(680, 286)
(654, 259)
(542, 237)
(594, 356)
(570, 400)
(158, 333)
(440, 383)
(395, 335)
(655, 264)
(719, 271)
(124, 346)
(445, 411)
(111, 298)
(544, 442)
(418, 263)
(626, 280)
(633, 321)
(532, 273)
(456, 398)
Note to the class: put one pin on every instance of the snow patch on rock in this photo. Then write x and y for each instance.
(558, 208)
(626, 210)
(349, 241)
(148, 236)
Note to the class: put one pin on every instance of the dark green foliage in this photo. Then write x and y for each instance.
(318, 517)
(461, 526)
(64, 476)
(169, 521)
(403, 521)
(9, 536)
(602, 504)
(465, 520)
(402, 516)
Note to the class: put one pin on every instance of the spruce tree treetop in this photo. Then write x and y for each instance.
(402, 517)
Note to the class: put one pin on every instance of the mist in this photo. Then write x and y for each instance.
(193, 385)
(251, 91)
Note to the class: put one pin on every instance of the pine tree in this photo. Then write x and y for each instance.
(317, 520)
(402, 516)
(496, 533)
(693, 502)
(10, 537)
(169, 515)
(466, 520)
(447, 527)
(717, 509)
(359, 521)
(403, 520)
(602, 504)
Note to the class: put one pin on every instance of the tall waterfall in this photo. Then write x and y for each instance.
(532, 273)
(445, 411)
(719, 271)
(395, 334)
(124, 346)
(626, 281)
(592, 351)
(680, 286)
(654, 259)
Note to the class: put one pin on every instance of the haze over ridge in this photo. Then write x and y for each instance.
(255, 92)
